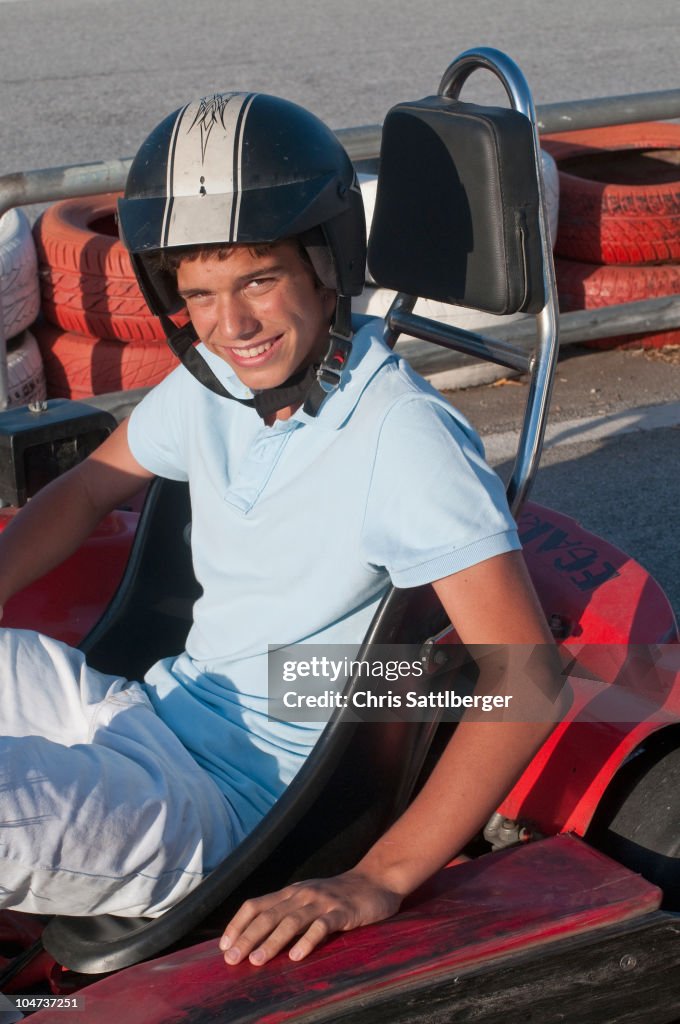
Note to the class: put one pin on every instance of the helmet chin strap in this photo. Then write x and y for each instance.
(329, 373)
(310, 386)
(181, 341)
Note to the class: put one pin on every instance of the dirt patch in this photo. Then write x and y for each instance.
(669, 354)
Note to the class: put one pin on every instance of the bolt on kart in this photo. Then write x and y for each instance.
(573, 914)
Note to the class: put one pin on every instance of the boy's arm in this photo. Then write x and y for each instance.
(54, 523)
(490, 603)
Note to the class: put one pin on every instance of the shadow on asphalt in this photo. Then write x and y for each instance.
(624, 489)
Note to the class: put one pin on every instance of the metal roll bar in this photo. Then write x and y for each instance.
(541, 364)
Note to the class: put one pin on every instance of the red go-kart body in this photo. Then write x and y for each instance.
(539, 911)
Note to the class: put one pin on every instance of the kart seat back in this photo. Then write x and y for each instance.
(150, 614)
(460, 182)
(357, 780)
(460, 217)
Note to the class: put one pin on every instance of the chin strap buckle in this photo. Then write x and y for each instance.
(329, 374)
(330, 371)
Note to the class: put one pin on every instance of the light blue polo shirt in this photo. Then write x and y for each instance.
(297, 530)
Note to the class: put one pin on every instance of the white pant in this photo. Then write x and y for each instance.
(102, 810)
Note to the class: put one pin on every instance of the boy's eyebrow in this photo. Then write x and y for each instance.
(270, 268)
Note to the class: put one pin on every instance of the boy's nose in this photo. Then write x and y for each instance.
(236, 319)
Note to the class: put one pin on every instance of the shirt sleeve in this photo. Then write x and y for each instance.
(157, 428)
(434, 505)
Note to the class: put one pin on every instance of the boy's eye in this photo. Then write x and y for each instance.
(258, 283)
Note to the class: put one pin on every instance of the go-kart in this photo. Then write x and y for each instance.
(566, 908)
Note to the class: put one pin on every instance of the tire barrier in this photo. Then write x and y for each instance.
(618, 237)
(78, 366)
(98, 334)
(619, 193)
(25, 372)
(97, 306)
(87, 282)
(19, 288)
(588, 286)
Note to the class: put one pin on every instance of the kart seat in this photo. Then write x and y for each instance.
(357, 779)
(458, 218)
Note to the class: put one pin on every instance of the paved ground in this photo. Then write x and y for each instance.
(87, 79)
(613, 448)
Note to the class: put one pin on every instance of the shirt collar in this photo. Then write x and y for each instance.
(369, 353)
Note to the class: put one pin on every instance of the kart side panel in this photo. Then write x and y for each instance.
(616, 620)
(68, 601)
(563, 785)
(478, 914)
(600, 597)
(600, 594)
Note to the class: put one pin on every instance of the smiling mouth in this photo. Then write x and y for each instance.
(250, 352)
(253, 351)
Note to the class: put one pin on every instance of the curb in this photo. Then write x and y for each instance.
(588, 430)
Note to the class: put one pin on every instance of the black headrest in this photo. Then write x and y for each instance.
(456, 214)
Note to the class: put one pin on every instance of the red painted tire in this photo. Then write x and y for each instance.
(97, 306)
(585, 286)
(87, 282)
(619, 193)
(78, 367)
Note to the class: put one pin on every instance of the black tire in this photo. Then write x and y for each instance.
(638, 821)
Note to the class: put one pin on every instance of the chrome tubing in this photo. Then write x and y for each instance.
(542, 364)
(456, 338)
(547, 321)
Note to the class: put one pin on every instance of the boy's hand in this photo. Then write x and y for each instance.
(308, 911)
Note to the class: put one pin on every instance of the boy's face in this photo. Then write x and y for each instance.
(264, 315)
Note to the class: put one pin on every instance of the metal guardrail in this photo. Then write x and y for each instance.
(644, 317)
(25, 188)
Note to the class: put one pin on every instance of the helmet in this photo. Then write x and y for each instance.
(246, 168)
(243, 168)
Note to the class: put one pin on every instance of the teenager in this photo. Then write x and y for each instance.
(321, 470)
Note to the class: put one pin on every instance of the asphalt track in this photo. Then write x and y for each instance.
(611, 453)
(84, 80)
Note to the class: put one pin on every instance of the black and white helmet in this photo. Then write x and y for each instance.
(244, 168)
